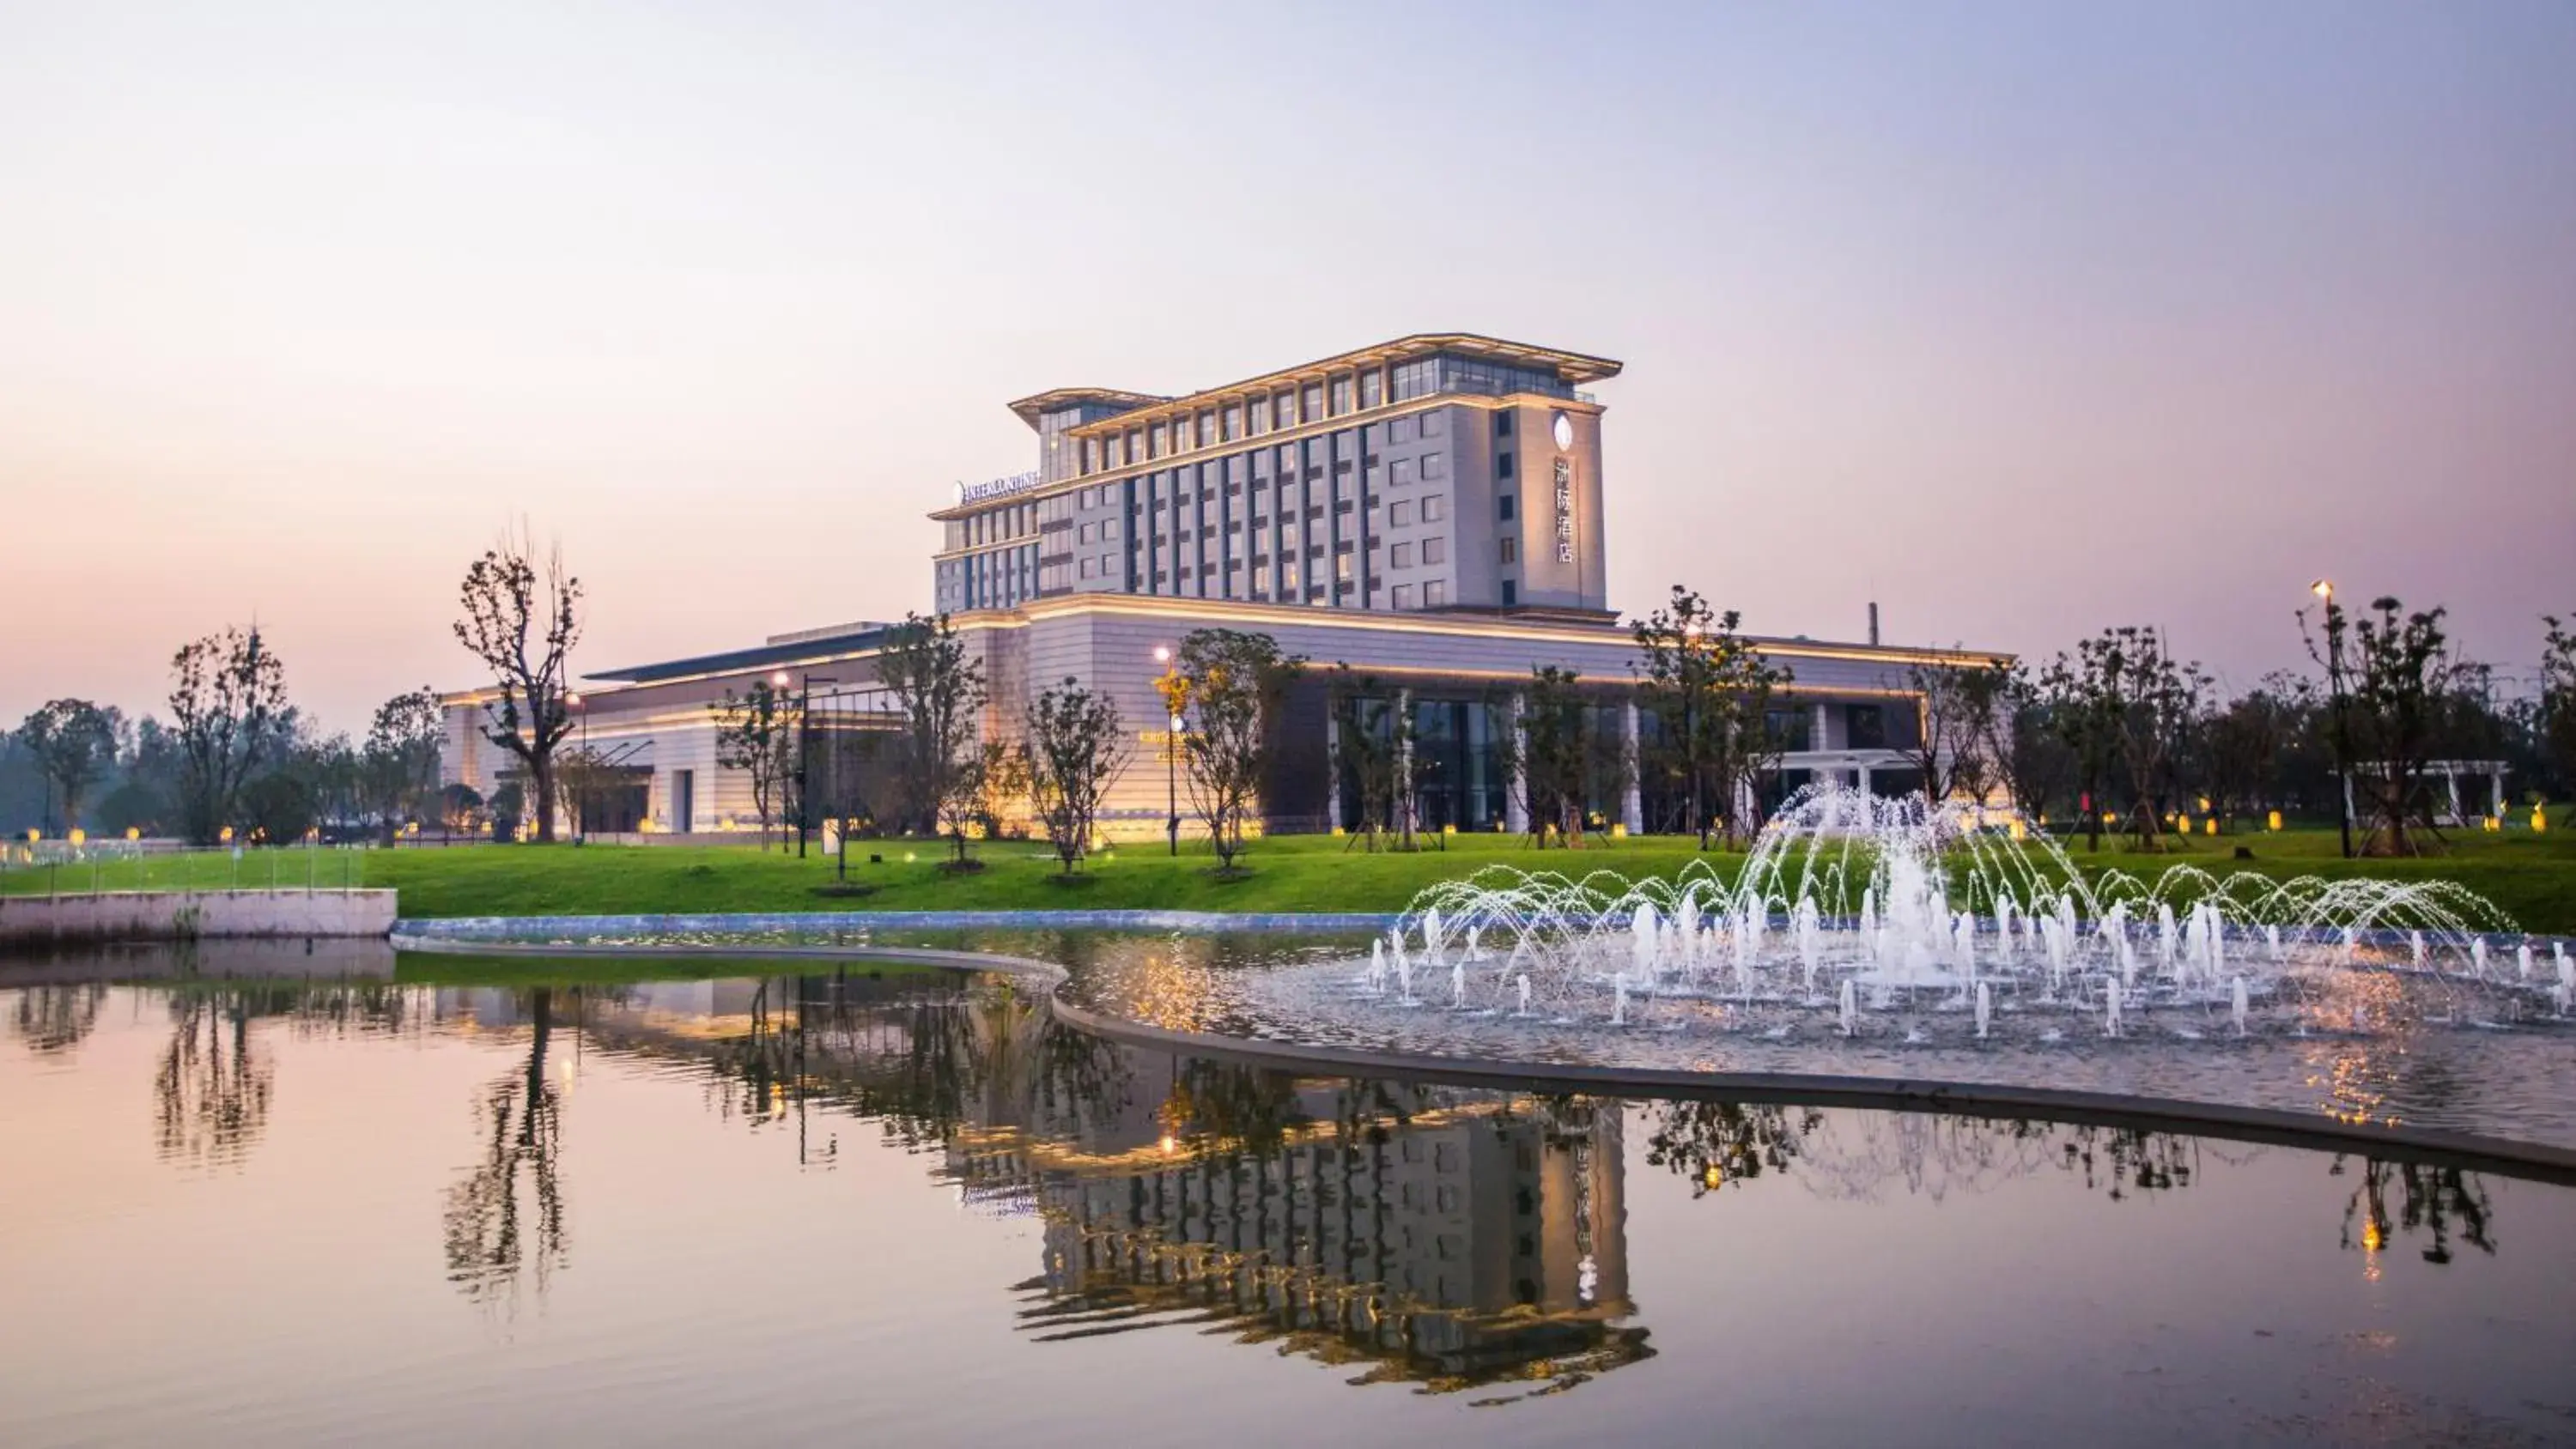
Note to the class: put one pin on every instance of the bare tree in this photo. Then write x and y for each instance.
(939, 693)
(526, 642)
(755, 733)
(1077, 749)
(2400, 671)
(1961, 707)
(227, 701)
(398, 766)
(1373, 741)
(1236, 680)
(74, 742)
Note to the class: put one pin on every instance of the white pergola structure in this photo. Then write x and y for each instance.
(2450, 772)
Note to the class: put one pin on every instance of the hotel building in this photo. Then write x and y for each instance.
(1427, 510)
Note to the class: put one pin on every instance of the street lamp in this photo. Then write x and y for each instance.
(805, 757)
(1690, 724)
(1176, 691)
(2324, 589)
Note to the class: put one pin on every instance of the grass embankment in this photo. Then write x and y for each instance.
(2531, 878)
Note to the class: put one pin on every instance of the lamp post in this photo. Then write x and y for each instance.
(1691, 683)
(805, 754)
(2324, 589)
(1175, 689)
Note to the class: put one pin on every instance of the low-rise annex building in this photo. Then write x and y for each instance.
(1428, 511)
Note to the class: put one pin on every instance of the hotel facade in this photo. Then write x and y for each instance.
(1428, 511)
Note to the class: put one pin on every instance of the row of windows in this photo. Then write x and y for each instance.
(998, 525)
(1273, 413)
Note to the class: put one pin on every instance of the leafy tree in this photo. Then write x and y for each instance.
(2151, 702)
(2031, 752)
(2398, 670)
(2558, 700)
(2085, 711)
(939, 695)
(1963, 709)
(459, 806)
(74, 744)
(756, 734)
(1710, 690)
(508, 807)
(226, 700)
(398, 768)
(1077, 749)
(2241, 746)
(1236, 680)
(526, 642)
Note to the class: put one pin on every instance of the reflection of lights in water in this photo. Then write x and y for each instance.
(1168, 1144)
(1714, 1177)
(1587, 1279)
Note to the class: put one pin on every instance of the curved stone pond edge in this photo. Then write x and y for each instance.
(2267, 1126)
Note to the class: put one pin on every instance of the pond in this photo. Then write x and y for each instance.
(513, 1202)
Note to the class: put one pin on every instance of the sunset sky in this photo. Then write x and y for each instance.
(2022, 320)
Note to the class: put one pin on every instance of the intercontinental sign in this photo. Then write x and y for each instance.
(997, 487)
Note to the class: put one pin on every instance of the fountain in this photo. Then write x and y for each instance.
(1852, 903)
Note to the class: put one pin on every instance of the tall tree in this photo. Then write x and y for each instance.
(756, 734)
(1962, 712)
(2558, 700)
(1710, 691)
(939, 694)
(2084, 709)
(521, 622)
(2146, 702)
(2032, 754)
(398, 766)
(1077, 749)
(227, 697)
(74, 743)
(1237, 681)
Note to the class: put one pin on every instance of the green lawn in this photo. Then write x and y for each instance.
(2532, 878)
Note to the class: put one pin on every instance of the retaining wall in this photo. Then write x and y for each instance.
(186, 915)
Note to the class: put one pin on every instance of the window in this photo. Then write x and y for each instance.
(1511, 593)
(1233, 421)
(1108, 529)
(1341, 566)
(1341, 396)
(1404, 596)
(1503, 506)
(1086, 568)
(1511, 549)
(1260, 410)
(1402, 556)
(1435, 592)
(1435, 508)
(1502, 425)
(1162, 444)
(1435, 550)
(1207, 428)
(1399, 430)
(1434, 423)
(1399, 474)
(1399, 515)
(1287, 409)
(1502, 465)
(1312, 402)
(1372, 388)
(1084, 534)
(1434, 465)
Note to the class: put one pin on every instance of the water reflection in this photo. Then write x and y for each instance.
(214, 1081)
(517, 1180)
(1452, 1240)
